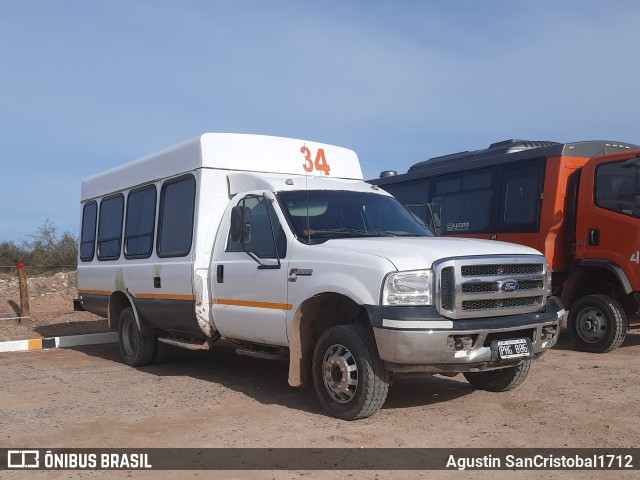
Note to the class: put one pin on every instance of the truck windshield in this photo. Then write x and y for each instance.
(320, 215)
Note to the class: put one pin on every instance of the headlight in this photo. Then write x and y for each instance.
(549, 277)
(408, 288)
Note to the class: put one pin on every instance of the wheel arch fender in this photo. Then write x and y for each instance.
(588, 278)
(118, 301)
(312, 317)
(612, 267)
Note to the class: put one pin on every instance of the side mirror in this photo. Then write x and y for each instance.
(241, 224)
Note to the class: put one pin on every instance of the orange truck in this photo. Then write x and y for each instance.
(578, 203)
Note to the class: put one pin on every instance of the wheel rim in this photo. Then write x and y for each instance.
(128, 337)
(340, 373)
(591, 325)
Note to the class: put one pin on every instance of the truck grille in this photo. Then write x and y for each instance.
(507, 303)
(505, 269)
(481, 287)
(470, 287)
(448, 287)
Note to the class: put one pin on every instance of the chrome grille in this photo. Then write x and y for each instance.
(504, 269)
(469, 287)
(448, 288)
(506, 303)
(481, 287)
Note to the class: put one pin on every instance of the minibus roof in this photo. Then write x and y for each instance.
(233, 152)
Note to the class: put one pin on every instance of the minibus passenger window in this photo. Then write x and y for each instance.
(88, 232)
(141, 216)
(175, 224)
(110, 228)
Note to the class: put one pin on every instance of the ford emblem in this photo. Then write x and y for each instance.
(510, 286)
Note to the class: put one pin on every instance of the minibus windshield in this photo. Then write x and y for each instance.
(319, 215)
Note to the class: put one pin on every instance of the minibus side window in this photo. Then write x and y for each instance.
(88, 232)
(110, 227)
(140, 222)
(175, 224)
(264, 228)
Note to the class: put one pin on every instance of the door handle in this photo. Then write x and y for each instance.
(594, 237)
(220, 274)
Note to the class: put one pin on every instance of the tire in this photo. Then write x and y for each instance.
(501, 380)
(136, 349)
(597, 324)
(350, 379)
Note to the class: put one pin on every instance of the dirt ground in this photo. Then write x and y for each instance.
(51, 309)
(86, 397)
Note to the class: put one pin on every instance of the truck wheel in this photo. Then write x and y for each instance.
(597, 324)
(349, 377)
(500, 380)
(136, 349)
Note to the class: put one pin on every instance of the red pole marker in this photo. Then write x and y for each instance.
(24, 292)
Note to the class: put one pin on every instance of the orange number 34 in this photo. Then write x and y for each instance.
(320, 163)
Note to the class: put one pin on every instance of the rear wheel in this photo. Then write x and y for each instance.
(501, 380)
(597, 323)
(349, 377)
(136, 349)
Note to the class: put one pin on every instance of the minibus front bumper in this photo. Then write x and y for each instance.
(420, 339)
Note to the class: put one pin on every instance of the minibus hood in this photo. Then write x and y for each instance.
(414, 253)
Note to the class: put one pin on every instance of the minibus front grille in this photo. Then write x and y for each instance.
(473, 287)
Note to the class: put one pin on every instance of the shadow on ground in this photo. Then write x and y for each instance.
(266, 380)
(15, 307)
(565, 343)
(71, 328)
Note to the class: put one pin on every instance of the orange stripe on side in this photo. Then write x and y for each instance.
(35, 344)
(165, 296)
(250, 303)
(94, 292)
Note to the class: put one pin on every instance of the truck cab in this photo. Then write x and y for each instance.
(603, 290)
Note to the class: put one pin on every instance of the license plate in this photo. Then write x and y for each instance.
(516, 348)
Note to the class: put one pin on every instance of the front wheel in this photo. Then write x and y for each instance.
(136, 349)
(349, 377)
(597, 324)
(501, 380)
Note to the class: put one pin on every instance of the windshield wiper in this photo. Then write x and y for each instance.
(358, 232)
(334, 231)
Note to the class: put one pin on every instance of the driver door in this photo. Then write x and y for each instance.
(250, 278)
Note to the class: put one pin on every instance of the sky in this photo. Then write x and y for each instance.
(89, 85)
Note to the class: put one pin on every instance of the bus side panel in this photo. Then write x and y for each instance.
(95, 287)
(96, 303)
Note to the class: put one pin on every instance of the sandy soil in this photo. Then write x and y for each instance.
(51, 308)
(86, 397)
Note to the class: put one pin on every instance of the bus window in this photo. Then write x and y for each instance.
(465, 203)
(521, 196)
(175, 224)
(110, 227)
(88, 232)
(139, 226)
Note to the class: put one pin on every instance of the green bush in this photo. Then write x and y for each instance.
(46, 252)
